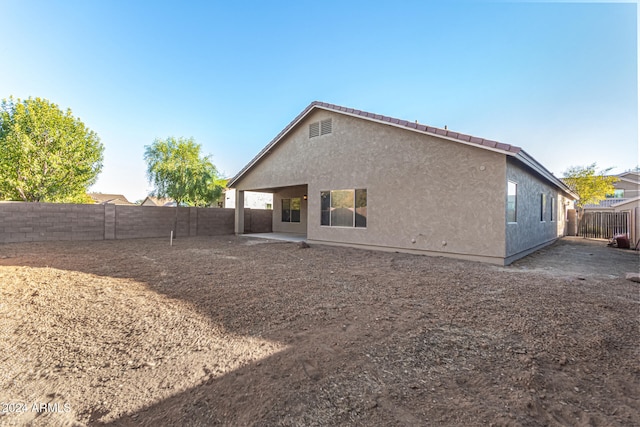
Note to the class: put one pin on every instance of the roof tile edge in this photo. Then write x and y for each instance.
(463, 138)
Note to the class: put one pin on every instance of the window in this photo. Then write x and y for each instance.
(344, 208)
(551, 208)
(543, 205)
(512, 198)
(291, 210)
(320, 128)
(618, 194)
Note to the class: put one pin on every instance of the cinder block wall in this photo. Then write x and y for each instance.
(32, 222)
(212, 222)
(258, 220)
(134, 222)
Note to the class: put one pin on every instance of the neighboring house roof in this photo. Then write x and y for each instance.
(614, 204)
(155, 201)
(609, 202)
(606, 203)
(462, 138)
(111, 199)
(629, 177)
(626, 203)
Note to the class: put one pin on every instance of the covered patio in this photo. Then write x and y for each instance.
(289, 219)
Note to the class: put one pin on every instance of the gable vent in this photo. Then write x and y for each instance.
(325, 127)
(314, 129)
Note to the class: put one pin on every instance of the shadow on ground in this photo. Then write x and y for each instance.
(374, 338)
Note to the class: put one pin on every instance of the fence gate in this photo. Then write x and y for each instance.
(603, 225)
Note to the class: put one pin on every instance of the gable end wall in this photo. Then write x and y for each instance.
(424, 194)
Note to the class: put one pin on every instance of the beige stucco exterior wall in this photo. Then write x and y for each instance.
(529, 232)
(290, 227)
(424, 194)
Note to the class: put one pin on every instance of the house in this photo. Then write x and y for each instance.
(155, 201)
(252, 200)
(619, 213)
(612, 216)
(341, 176)
(628, 186)
(111, 199)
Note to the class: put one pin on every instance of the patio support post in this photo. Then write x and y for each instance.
(239, 221)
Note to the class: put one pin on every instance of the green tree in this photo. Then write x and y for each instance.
(177, 170)
(590, 186)
(46, 154)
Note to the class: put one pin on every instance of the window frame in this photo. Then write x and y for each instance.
(291, 216)
(618, 193)
(543, 206)
(515, 202)
(358, 221)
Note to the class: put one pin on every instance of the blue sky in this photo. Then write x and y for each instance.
(557, 79)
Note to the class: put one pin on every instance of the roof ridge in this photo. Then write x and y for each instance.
(456, 136)
(420, 127)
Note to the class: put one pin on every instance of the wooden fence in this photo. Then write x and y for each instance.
(603, 225)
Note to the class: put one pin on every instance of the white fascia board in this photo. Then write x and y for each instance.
(267, 150)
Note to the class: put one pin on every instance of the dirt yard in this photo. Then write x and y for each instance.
(251, 331)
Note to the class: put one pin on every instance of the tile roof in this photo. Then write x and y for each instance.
(409, 125)
(608, 203)
(112, 199)
(488, 144)
(156, 201)
(629, 176)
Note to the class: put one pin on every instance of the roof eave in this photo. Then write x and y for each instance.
(494, 146)
(532, 163)
(625, 179)
(267, 150)
(401, 124)
(632, 201)
(425, 132)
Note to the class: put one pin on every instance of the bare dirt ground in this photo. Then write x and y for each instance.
(249, 331)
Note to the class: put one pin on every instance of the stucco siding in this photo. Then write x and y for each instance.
(531, 230)
(423, 193)
(290, 227)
